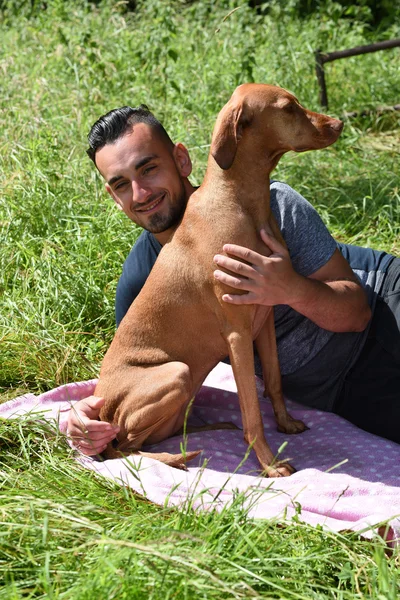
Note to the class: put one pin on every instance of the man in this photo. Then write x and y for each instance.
(333, 355)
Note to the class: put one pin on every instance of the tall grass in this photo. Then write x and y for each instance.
(68, 534)
(62, 244)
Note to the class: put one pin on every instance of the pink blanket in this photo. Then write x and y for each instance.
(346, 478)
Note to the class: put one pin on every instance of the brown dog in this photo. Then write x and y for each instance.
(179, 328)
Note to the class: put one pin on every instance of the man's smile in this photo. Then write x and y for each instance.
(151, 207)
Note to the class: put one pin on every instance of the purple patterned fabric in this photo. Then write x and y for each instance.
(346, 478)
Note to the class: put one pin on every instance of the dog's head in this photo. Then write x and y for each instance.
(274, 120)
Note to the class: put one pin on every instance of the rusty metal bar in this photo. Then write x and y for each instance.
(323, 57)
(319, 68)
(330, 56)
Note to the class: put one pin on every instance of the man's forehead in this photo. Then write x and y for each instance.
(130, 150)
(138, 137)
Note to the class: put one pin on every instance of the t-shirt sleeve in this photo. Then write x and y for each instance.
(135, 271)
(309, 242)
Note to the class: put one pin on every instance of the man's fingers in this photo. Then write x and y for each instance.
(87, 425)
(231, 264)
(87, 408)
(244, 253)
(86, 433)
(239, 298)
(90, 446)
(94, 436)
(273, 244)
(86, 444)
(234, 282)
(93, 402)
(92, 451)
(92, 429)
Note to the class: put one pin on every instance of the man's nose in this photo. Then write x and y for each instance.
(139, 193)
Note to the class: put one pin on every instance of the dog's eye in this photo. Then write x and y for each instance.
(290, 108)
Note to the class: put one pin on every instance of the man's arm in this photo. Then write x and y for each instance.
(332, 297)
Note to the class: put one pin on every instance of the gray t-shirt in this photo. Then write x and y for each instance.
(313, 361)
(310, 247)
(308, 374)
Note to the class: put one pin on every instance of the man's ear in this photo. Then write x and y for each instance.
(182, 160)
(109, 191)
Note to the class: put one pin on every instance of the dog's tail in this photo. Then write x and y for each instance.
(178, 461)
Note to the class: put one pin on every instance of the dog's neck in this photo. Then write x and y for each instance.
(253, 176)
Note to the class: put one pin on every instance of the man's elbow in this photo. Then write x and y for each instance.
(360, 319)
(361, 313)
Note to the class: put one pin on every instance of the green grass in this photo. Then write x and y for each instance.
(67, 533)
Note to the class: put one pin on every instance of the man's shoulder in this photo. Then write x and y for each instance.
(275, 184)
(283, 195)
(146, 242)
(290, 207)
(136, 269)
(309, 242)
(146, 248)
(140, 260)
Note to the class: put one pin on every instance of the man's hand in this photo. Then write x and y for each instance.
(87, 434)
(268, 280)
(332, 297)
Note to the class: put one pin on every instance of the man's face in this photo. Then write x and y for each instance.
(147, 178)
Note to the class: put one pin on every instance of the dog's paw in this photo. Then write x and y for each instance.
(292, 426)
(279, 470)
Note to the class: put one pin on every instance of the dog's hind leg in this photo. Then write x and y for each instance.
(153, 409)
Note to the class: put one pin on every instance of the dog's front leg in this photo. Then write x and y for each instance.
(268, 353)
(242, 361)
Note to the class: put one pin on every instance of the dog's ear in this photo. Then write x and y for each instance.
(227, 132)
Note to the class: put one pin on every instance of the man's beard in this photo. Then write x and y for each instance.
(159, 223)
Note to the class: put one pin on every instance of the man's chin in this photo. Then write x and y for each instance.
(155, 225)
(160, 223)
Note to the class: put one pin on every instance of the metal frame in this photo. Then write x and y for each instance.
(323, 57)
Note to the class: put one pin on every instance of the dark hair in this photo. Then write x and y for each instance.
(116, 123)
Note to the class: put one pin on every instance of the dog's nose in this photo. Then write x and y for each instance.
(336, 125)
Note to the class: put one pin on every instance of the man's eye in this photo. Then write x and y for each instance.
(121, 185)
(148, 169)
